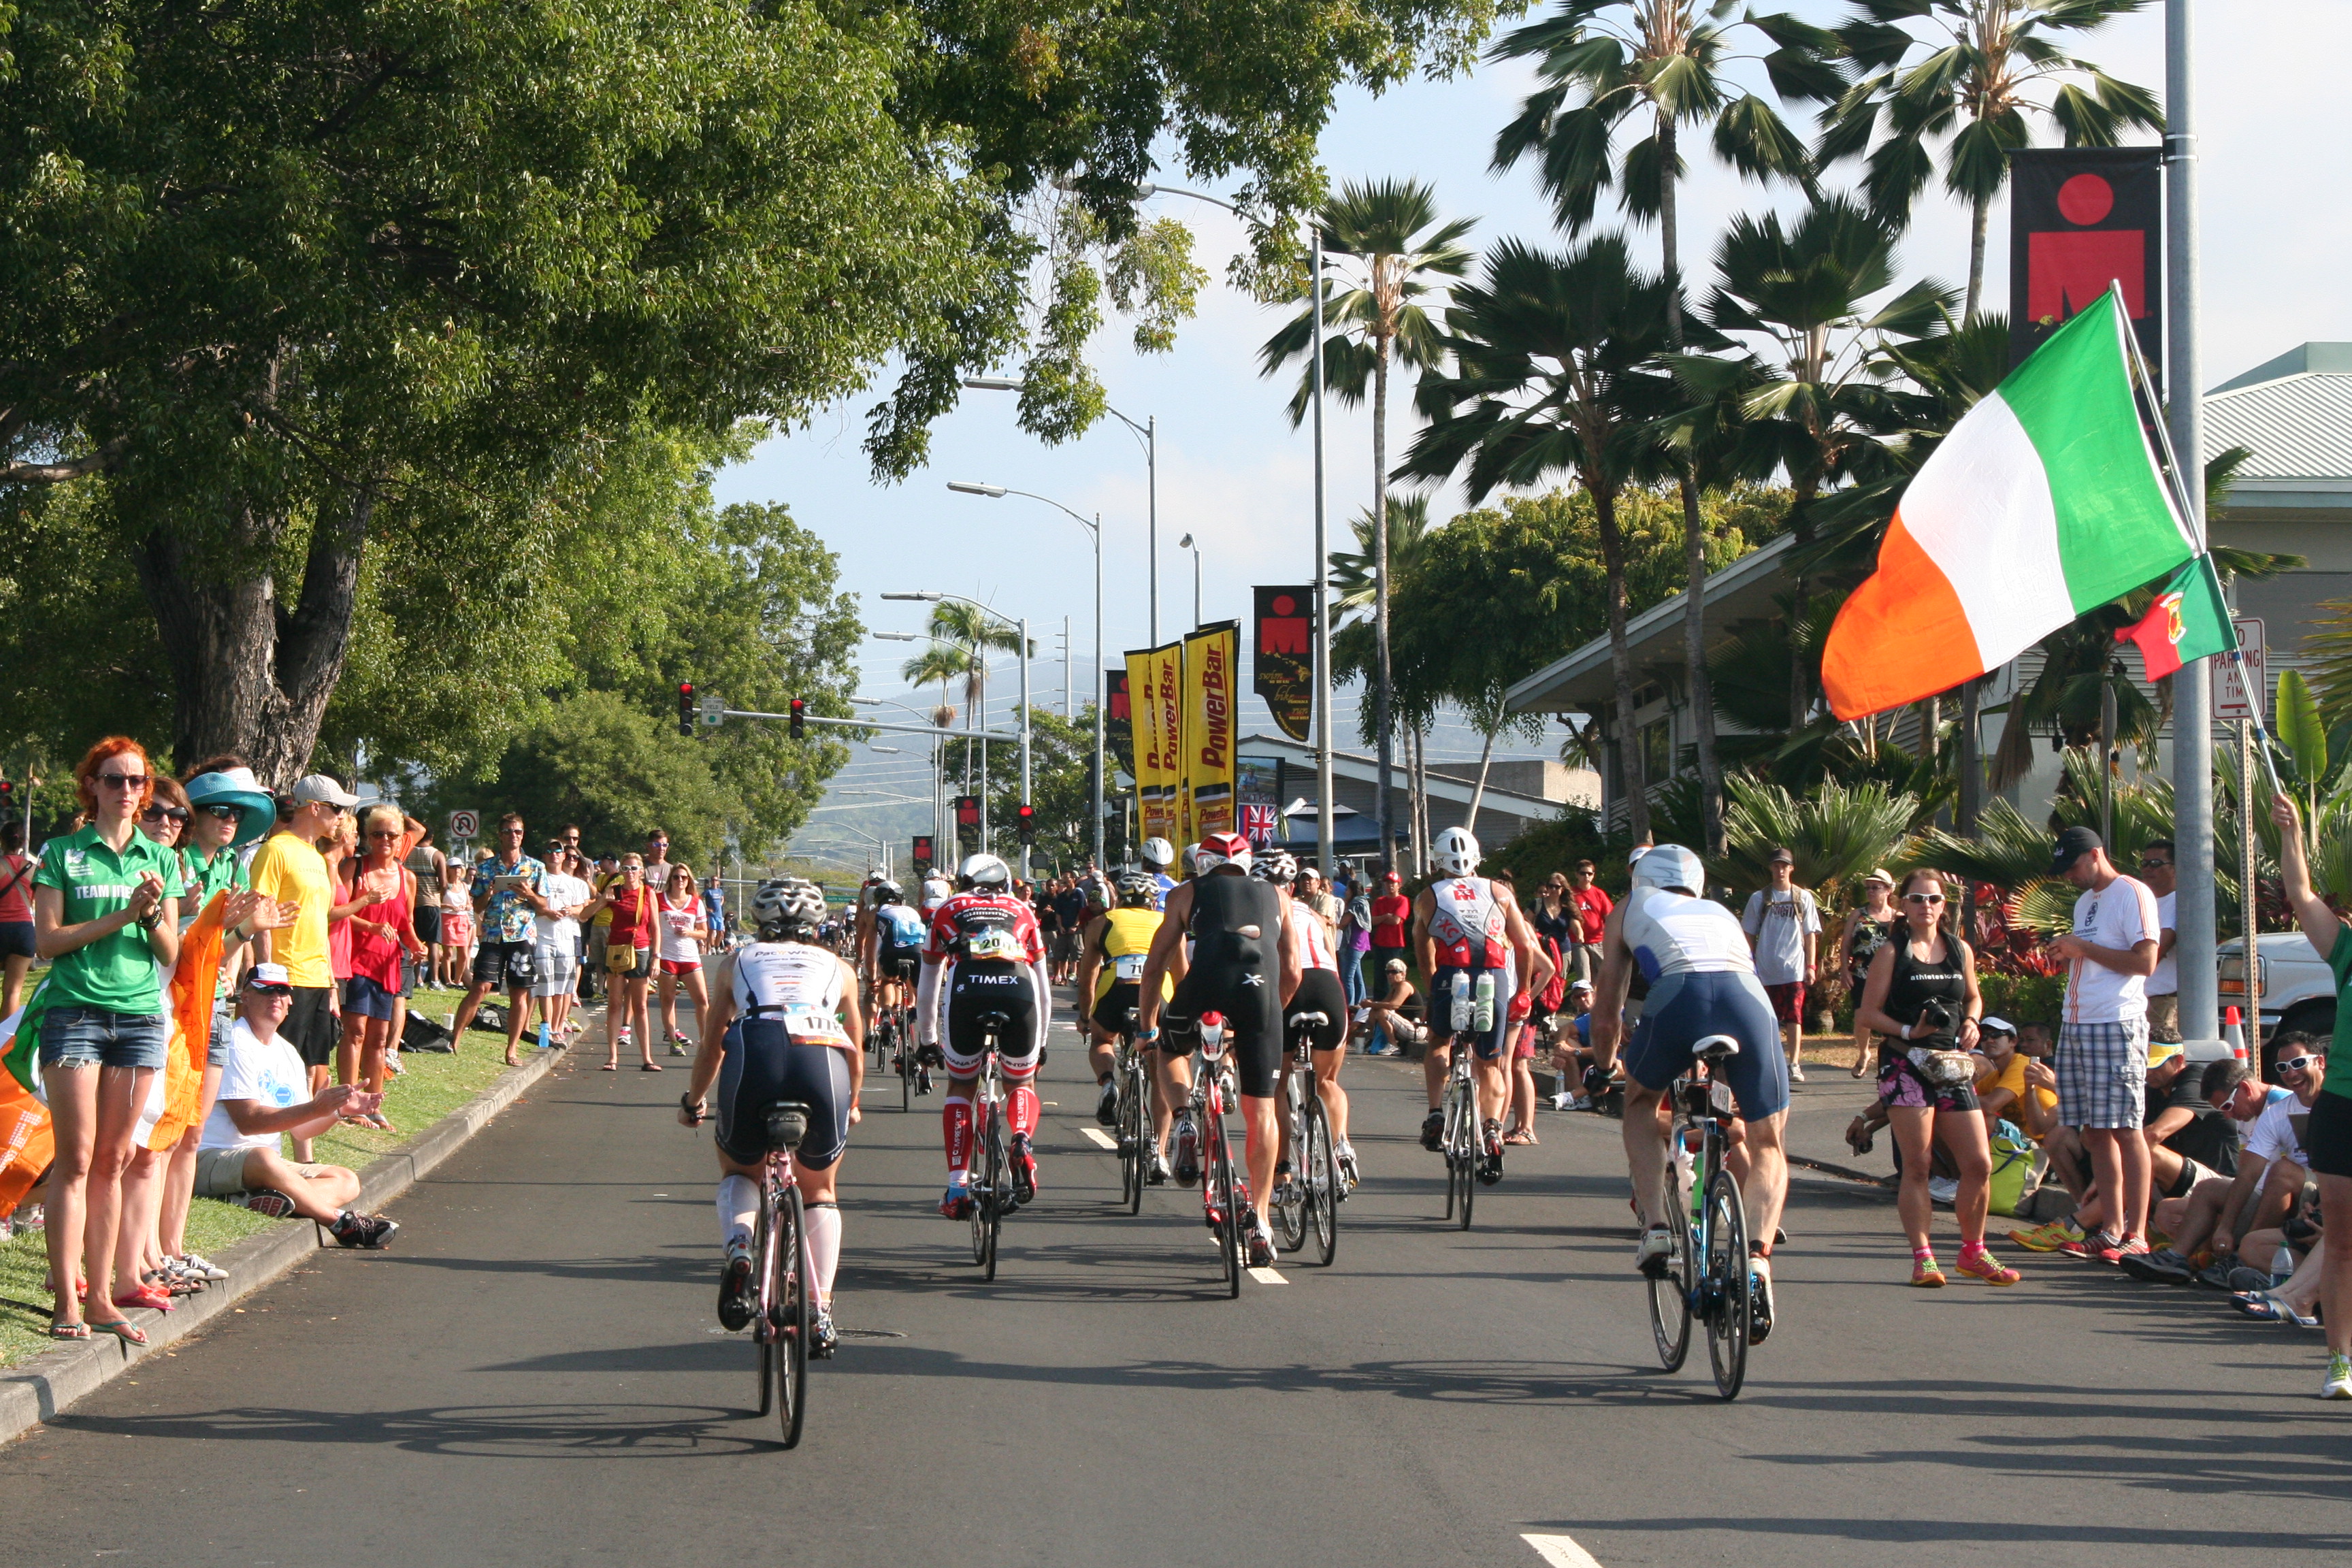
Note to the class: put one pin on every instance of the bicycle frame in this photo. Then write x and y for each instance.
(1711, 1217)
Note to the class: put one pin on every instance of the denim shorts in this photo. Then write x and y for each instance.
(92, 1036)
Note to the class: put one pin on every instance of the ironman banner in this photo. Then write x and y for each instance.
(2044, 501)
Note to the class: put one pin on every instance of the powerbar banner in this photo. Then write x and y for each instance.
(1211, 656)
(1155, 706)
(1283, 672)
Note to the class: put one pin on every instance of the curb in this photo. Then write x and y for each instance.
(1847, 1172)
(40, 1388)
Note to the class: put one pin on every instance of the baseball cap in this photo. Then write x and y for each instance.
(323, 788)
(1993, 1024)
(2161, 1051)
(1779, 856)
(2072, 845)
(1580, 985)
(267, 977)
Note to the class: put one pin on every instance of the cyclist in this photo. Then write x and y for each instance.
(1317, 990)
(784, 1019)
(1115, 946)
(893, 956)
(1702, 980)
(937, 891)
(1239, 966)
(861, 934)
(1158, 855)
(985, 955)
(1480, 955)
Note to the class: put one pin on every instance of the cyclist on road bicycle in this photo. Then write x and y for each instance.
(1702, 982)
(1111, 970)
(1319, 990)
(1239, 966)
(986, 955)
(893, 956)
(1480, 956)
(783, 1014)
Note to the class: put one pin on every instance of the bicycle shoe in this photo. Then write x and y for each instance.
(1656, 1252)
(734, 1282)
(1432, 1131)
(1490, 1162)
(1188, 1152)
(824, 1337)
(1351, 1178)
(1024, 1170)
(922, 1080)
(1156, 1173)
(958, 1203)
(1759, 1300)
(1261, 1246)
(1106, 1103)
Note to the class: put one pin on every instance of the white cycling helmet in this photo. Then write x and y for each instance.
(1192, 861)
(937, 891)
(984, 871)
(1670, 866)
(1158, 854)
(1455, 852)
(1275, 865)
(788, 905)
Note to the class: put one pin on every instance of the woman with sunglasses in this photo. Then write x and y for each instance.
(1921, 996)
(683, 929)
(378, 893)
(1867, 930)
(628, 962)
(457, 926)
(99, 917)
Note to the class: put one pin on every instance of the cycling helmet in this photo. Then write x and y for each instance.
(1455, 852)
(1192, 860)
(889, 893)
(786, 906)
(1158, 854)
(1138, 890)
(1275, 866)
(984, 871)
(1221, 849)
(1670, 866)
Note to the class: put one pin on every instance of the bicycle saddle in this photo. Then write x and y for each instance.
(787, 1123)
(1716, 1048)
(995, 1020)
(1309, 1020)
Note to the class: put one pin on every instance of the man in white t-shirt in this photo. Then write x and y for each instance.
(265, 1093)
(1784, 930)
(2102, 1062)
(555, 934)
(2164, 985)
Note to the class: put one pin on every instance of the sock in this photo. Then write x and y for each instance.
(738, 1207)
(1971, 1248)
(824, 1246)
(1022, 1109)
(1923, 1255)
(955, 1121)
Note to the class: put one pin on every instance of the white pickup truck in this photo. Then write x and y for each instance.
(2298, 992)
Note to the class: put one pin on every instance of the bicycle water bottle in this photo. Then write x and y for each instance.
(1483, 1017)
(542, 1034)
(1461, 1000)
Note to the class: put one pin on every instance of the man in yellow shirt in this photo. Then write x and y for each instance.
(289, 868)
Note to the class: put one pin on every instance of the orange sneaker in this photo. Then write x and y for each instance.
(1982, 1265)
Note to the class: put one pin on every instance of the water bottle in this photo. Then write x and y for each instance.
(2282, 1267)
(542, 1034)
(1482, 1019)
(1461, 1000)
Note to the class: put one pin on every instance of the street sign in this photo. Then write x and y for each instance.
(465, 824)
(2230, 700)
(714, 710)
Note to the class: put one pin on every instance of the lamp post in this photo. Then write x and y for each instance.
(1020, 626)
(998, 492)
(1186, 543)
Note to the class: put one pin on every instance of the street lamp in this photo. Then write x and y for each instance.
(1186, 543)
(1022, 626)
(895, 636)
(998, 492)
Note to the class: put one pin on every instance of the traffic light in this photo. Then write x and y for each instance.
(800, 718)
(1024, 818)
(685, 708)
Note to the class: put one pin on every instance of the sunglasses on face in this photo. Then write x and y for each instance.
(273, 993)
(1923, 898)
(224, 813)
(2156, 864)
(2298, 1064)
(385, 833)
(125, 781)
(162, 814)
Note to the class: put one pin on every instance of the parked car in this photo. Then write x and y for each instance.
(2298, 991)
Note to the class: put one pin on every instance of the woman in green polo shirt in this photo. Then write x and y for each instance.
(99, 902)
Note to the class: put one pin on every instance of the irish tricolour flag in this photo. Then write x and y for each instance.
(2044, 501)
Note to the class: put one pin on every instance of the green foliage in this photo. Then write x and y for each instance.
(2022, 998)
(2301, 732)
(1836, 831)
(1061, 774)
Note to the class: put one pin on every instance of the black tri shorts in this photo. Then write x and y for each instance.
(763, 1064)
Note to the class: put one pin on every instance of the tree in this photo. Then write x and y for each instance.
(1061, 784)
(1600, 62)
(1974, 90)
(1552, 368)
(1398, 251)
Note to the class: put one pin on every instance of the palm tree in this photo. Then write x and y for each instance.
(1601, 62)
(1355, 573)
(1355, 582)
(1553, 368)
(962, 639)
(1997, 63)
(1397, 251)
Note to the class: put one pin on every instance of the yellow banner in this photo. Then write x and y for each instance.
(1211, 658)
(1153, 678)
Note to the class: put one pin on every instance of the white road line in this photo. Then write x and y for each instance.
(1267, 1276)
(1100, 1137)
(1561, 1552)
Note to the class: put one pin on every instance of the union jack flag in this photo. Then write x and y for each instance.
(1259, 823)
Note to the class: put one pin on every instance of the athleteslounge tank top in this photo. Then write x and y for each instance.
(1466, 923)
(796, 982)
(1674, 933)
(1919, 981)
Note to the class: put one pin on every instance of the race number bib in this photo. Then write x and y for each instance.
(993, 944)
(1127, 966)
(810, 1028)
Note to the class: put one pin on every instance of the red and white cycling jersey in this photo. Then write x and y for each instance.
(984, 925)
(1466, 924)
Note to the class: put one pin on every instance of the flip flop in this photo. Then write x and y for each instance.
(73, 1330)
(656, 1067)
(610, 1066)
(123, 1329)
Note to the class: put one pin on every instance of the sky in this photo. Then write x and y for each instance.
(1237, 479)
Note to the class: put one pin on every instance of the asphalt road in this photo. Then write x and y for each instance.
(536, 1375)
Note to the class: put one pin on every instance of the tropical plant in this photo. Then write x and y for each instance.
(1987, 69)
(1836, 831)
(1601, 61)
(1552, 369)
(1355, 573)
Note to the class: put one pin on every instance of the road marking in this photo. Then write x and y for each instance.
(1100, 1137)
(1561, 1552)
(1269, 1277)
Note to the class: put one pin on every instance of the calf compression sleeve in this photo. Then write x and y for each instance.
(955, 1124)
(738, 1207)
(1022, 1109)
(824, 1221)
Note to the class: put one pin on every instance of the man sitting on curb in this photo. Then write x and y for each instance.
(1382, 1020)
(264, 1094)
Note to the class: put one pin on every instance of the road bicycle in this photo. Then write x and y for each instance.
(1225, 1189)
(1309, 1203)
(1459, 1141)
(1704, 1274)
(1133, 1115)
(991, 1176)
(783, 1310)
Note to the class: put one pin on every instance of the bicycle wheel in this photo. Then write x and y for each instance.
(1134, 1137)
(1669, 1290)
(791, 1322)
(993, 1196)
(979, 1183)
(1464, 1154)
(763, 1294)
(1290, 1213)
(1228, 1203)
(1451, 1111)
(1728, 1297)
(1321, 1171)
